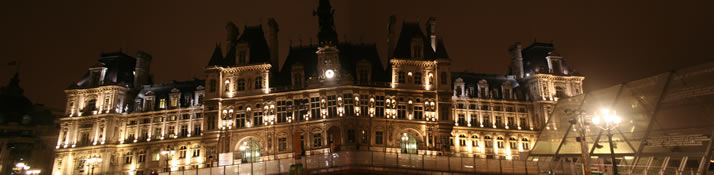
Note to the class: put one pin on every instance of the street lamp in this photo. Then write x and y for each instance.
(93, 162)
(608, 120)
(32, 172)
(168, 153)
(22, 167)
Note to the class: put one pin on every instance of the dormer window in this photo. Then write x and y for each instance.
(417, 46)
(243, 54)
(482, 89)
(363, 71)
(162, 103)
(174, 102)
(96, 75)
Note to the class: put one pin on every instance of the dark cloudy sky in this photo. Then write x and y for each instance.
(610, 41)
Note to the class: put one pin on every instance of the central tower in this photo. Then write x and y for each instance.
(325, 14)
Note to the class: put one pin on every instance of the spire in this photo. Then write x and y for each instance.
(325, 14)
(232, 32)
(217, 57)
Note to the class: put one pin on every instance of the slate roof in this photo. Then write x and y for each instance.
(350, 54)
(534, 59)
(187, 90)
(409, 32)
(259, 49)
(120, 71)
(494, 83)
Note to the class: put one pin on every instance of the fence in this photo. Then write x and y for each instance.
(375, 161)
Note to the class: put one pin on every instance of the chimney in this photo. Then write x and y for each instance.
(516, 60)
(142, 69)
(272, 32)
(391, 37)
(431, 32)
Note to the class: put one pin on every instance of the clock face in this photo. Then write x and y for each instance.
(329, 73)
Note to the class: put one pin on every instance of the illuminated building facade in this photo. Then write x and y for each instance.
(326, 97)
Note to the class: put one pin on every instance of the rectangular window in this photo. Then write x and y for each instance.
(379, 103)
(142, 156)
(351, 135)
(523, 122)
(378, 138)
(331, 106)
(462, 120)
(174, 101)
(400, 77)
(282, 111)
(127, 158)
(364, 137)
(315, 107)
(212, 87)
(514, 145)
(241, 84)
(499, 121)
(258, 82)
(162, 103)
(184, 130)
(282, 144)
(196, 152)
(418, 112)
(156, 157)
(443, 78)
(401, 112)
(211, 122)
(499, 144)
(157, 133)
(240, 120)
(172, 131)
(364, 105)
(257, 118)
(348, 105)
(511, 122)
(486, 121)
(197, 129)
(417, 78)
(158, 119)
(317, 140)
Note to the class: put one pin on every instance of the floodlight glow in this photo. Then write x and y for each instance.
(329, 73)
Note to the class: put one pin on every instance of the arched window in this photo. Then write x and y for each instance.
(250, 151)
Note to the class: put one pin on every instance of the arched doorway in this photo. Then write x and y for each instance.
(334, 138)
(408, 143)
(250, 151)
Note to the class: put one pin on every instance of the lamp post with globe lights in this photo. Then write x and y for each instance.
(168, 153)
(93, 162)
(21, 167)
(607, 120)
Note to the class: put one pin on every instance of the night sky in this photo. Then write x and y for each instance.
(609, 41)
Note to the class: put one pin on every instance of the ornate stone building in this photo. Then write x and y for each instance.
(326, 97)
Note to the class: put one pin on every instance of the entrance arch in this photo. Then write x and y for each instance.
(334, 138)
(408, 143)
(249, 151)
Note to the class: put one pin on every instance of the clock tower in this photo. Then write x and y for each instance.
(328, 62)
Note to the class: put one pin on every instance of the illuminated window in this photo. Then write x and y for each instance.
(182, 152)
(174, 101)
(196, 151)
(127, 158)
(142, 156)
(156, 157)
(162, 103)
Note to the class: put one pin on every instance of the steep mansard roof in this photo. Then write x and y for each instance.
(494, 83)
(350, 55)
(120, 71)
(409, 32)
(187, 90)
(534, 59)
(254, 37)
